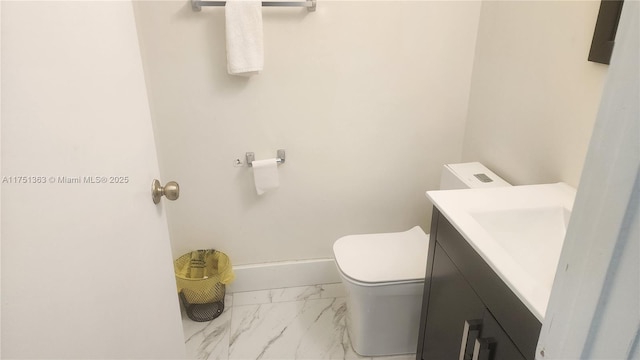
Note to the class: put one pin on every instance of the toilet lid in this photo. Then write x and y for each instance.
(389, 257)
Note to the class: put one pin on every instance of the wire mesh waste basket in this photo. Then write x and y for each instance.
(201, 277)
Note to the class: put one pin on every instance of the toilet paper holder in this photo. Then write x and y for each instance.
(280, 156)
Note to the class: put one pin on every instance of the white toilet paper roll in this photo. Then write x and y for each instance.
(265, 175)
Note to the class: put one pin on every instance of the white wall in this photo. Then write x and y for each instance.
(369, 99)
(534, 95)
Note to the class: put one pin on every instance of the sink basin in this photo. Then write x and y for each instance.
(529, 235)
(519, 231)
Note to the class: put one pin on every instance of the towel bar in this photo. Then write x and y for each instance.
(196, 5)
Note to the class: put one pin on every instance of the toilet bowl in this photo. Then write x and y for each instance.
(383, 275)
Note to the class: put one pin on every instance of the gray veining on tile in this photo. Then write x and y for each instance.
(311, 329)
(208, 340)
(300, 293)
(293, 323)
(297, 293)
(333, 290)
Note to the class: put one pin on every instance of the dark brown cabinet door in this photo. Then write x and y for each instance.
(451, 302)
(464, 300)
(500, 346)
(457, 319)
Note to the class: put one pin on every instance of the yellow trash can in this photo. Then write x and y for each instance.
(201, 277)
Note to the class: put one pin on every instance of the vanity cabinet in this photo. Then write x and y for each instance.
(468, 312)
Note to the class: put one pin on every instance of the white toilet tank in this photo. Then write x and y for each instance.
(383, 305)
(469, 176)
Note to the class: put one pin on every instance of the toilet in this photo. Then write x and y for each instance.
(383, 275)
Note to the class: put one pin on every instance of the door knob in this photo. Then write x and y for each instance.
(171, 191)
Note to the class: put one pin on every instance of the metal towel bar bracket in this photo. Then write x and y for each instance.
(280, 157)
(196, 5)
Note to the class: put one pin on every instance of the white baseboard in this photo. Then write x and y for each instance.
(284, 274)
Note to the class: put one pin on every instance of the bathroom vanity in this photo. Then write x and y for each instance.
(465, 301)
(485, 297)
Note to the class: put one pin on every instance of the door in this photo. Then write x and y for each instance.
(86, 262)
(452, 302)
(499, 344)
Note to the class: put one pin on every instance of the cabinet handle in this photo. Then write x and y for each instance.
(470, 333)
(482, 349)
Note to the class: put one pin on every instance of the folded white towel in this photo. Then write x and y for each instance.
(245, 50)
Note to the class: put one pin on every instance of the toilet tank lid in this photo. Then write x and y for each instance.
(471, 175)
(387, 257)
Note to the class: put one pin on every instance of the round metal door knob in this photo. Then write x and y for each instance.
(171, 190)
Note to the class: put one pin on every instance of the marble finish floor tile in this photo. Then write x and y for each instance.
(309, 329)
(294, 323)
(208, 340)
(299, 293)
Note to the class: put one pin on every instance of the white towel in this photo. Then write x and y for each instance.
(245, 50)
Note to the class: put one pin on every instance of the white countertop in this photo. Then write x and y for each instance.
(518, 231)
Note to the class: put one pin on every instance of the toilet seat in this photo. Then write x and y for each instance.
(376, 259)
